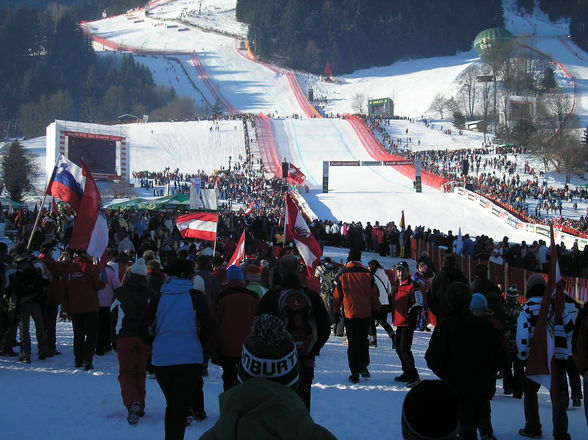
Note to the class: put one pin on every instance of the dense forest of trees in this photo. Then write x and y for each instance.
(50, 71)
(352, 34)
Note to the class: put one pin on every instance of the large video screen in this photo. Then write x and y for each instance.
(98, 154)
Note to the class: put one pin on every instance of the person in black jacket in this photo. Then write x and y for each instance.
(448, 274)
(466, 351)
(320, 325)
(131, 338)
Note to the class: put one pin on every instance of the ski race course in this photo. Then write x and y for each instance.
(223, 72)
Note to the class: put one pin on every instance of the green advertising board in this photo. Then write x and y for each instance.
(381, 106)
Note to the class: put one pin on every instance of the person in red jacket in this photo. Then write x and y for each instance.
(235, 309)
(356, 289)
(407, 302)
(82, 284)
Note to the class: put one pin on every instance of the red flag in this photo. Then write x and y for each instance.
(54, 209)
(298, 231)
(295, 175)
(90, 229)
(542, 347)
(239, 253)
(402, 225)
(200, 225)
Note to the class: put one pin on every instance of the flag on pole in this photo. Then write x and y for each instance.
(542, 348)
(90, 229)
(239, 253)
(298, 231)
(200, 225)
(250, 208)
(67, 182)
(402, 225)
(295, 175)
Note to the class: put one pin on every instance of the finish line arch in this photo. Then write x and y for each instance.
(327, 164)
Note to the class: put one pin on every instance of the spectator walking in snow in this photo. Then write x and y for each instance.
(181, 329)
(130, 338)
(466, 352)
(407, 303)
(356, 290)
(264, 404)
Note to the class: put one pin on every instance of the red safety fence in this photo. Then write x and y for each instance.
(303, 102)
(501, 274)
(267, 145)
(377, 152)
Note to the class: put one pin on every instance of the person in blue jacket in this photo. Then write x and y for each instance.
(179, 320)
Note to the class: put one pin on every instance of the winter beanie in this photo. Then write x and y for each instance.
(234, 273)
(269, 352)
(512, 294)
(478, 302)
(139, 267)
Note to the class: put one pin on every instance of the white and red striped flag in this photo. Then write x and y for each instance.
(298, 231)
(239, 253)
(295, 175)
(542, 346)
(200, 225)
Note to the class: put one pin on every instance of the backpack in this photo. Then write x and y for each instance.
(27, 282)
(296, 312)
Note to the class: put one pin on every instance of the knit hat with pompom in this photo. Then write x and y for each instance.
(269, 352)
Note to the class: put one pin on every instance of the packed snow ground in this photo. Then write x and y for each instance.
(53, 400)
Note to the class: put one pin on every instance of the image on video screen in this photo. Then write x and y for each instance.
(99, 155)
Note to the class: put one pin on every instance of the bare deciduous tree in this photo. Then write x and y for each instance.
(358, 103)
(438, 105)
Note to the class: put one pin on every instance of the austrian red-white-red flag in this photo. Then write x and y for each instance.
(542, 347)
(200, 225)
(298, 231)
(295, 175)
(239, 253)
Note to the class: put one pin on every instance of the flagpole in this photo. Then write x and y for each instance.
(215, 238)
(36, 222)
(285, 216)
(39, 213)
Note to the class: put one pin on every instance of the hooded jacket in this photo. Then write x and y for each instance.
(129, 307)
(262, 409)
(181, 320)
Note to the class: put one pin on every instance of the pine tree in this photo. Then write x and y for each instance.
(18, 171)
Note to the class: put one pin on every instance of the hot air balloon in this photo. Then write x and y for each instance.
(494, 45)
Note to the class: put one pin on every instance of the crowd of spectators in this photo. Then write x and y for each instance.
(493, 173)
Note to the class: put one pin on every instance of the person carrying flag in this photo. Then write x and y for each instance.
(561, 329)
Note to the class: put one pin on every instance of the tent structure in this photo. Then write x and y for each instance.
(128, 204)
(176, 201)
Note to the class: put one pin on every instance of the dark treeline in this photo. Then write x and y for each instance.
(50, 71)
(352, 34)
